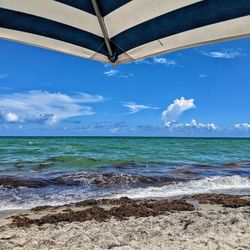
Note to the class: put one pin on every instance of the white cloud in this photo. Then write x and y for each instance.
(114, 130)
(242, 126)
(2, 76)
(202, 75)
(134, 108)
(10, 117)
(175, 109)
(87, 98)
(193, 125)
(225, 54)
(164, 61)
(117, 73)
(157, 60)
(144, 61)
(43, 106)
(111, 72)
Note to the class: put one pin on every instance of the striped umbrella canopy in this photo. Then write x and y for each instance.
(119, 31)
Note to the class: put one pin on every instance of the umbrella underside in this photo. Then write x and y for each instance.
(119, 31)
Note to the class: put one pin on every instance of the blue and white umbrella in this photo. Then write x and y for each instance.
(118, 31)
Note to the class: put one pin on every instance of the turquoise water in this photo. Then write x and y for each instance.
(52, 170)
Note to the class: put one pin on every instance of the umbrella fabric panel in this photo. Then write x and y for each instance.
(131, 14)
(44, 27)
(219, 32)
(106, 6)
(55, 11)
(52, 25)
(52, 44)
(135, 29)
(187, 18)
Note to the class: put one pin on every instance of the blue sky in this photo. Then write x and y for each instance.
(202, 91)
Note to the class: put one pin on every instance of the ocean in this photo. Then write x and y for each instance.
(57, 170)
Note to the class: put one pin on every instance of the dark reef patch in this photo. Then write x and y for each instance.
(108, 179)
(14, 182)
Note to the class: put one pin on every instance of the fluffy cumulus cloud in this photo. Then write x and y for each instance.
(242, 126)
(117, 73)
(175, 109)
(173, 112)
(10, 117)
(134, 107)
(43, 106)
(225, 54)
(193, 125)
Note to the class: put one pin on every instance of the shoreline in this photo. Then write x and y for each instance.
(204, 221)
(229, 199)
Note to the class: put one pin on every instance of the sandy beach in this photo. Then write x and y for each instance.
(192, 222)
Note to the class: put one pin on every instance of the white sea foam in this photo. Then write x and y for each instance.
(206, 185)
(25, 198)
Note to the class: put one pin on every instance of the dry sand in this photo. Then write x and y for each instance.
(208, 226)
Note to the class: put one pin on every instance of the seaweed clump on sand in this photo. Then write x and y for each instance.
(41, 208)
(121, 209)
(86, 203)
(226, 200)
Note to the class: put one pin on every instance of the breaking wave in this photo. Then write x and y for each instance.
(206, 185)
(28, 197)
(99, 179)
(106, 179)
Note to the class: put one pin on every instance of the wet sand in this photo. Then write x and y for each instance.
(191, 222)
